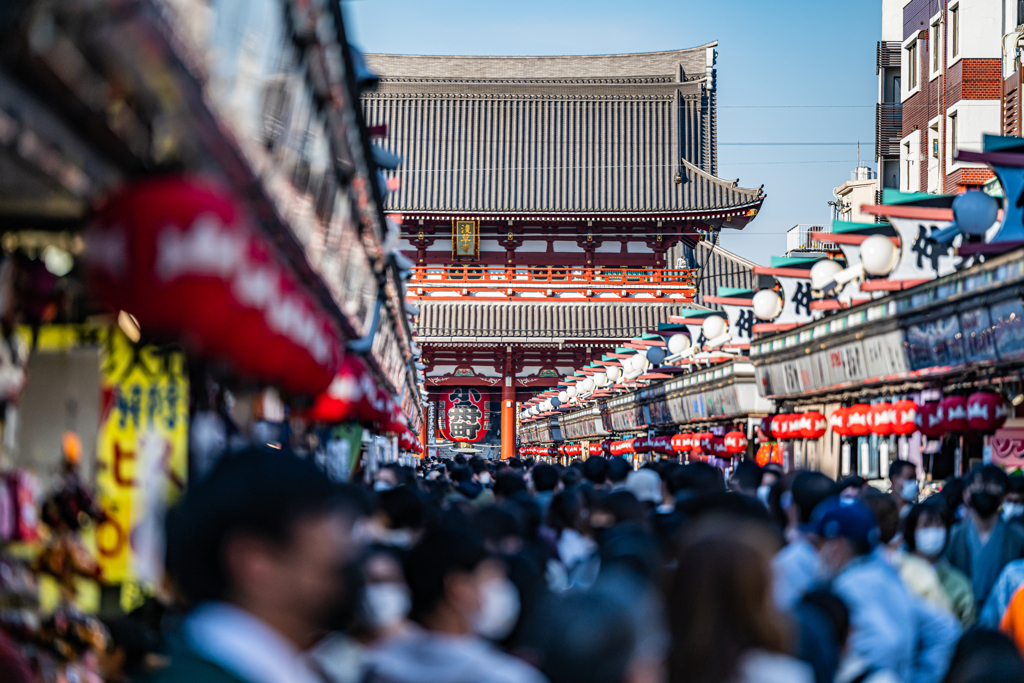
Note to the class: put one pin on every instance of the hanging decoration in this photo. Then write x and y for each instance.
(735, 442)
(812, 425)
(929, 420)
(880, 419)
(986, 411)
(857, 419)
(953, 413)
(905, 418)
(465, 415)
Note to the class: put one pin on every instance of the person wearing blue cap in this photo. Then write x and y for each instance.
(891, 629)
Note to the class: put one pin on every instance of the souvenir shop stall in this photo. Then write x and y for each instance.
(194, 257)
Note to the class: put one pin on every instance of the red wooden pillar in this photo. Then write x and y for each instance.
(425, 430)
(508, 410)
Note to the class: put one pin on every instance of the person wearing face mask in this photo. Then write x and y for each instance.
(904, 486)
(261, 551)
(891, 629)
(925, 535)
(462, 601)
(1013, 503)
(982, 544)
(796, 567)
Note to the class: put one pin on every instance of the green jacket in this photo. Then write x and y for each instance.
(188, 667)
(961, 593)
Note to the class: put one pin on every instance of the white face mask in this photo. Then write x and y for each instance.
(1012, 510)
(909, 490)
(381, 486)
(499, 609)
(485, 478)
(930, 540)
(386, 604)
(762, 493)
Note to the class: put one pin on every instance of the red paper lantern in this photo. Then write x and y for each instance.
(929, 420)
(953, 413)
(735, 442)
(905, 418)
(702, 442)
(681, 443)
(341, 400)
(779, 426)
(606, 447)
(857, 419)
(880, 419)
(986, 411)
(595, 449)
(661, 444)
(837, 421)
(718, 448)
(813, 425)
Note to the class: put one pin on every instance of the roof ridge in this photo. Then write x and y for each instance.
(734, 184)
(695, 48)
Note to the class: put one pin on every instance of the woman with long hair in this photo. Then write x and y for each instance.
(725, 627)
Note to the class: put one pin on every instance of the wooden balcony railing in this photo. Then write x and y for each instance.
(561, 278)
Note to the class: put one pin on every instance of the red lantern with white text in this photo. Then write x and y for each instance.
(837, 421)
(735, 442)
(813, 425)
(682, 443)
(929, 420)
(857, 419)
(986, 411)
(953, 413)
(880, 419)
(905, 418)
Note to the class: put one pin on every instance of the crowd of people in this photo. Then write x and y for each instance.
(476, 571)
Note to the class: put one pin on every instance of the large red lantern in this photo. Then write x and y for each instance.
(857, 419)
(465, 415)
(813, 425)
(880, 419)
(661, 444)
(953, 413)
(181, 256)
(986, 411)
(682, 443)
(606, 447)
(718, 448)
(837, 421)
(929, 420)
(904, 418)
(764, 430)
(702, 442)
(735, 442)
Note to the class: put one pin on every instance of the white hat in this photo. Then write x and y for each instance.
(645, 484)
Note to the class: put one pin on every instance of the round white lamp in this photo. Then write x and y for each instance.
(714, 326)
(614, 373)
(600, 379)
(678, 343)
(767, 304)
(563, 396)
(588, 385)
(571, 391)
(824, 272)
(879, 255)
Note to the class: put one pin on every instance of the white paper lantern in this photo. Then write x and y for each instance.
(824, 272)
(767, 304)
(714, 326)
(534, 410)
(678, 343)
(588, 385)
(879, 255)
(563, 396)
(600, 379)
(571, 391)
(614, 373)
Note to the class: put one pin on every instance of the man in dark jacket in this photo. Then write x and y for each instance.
(982, 544)
(259, 549)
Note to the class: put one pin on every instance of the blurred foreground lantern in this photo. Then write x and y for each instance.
(341, 400)
(181, 257)
(986, 411)
(681, 443)
(779, 427)
(929, 420)
(953, 413)
(905, 418)
(661, 444)
(837, 421)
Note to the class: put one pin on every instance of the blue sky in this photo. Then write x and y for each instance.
(796, 71)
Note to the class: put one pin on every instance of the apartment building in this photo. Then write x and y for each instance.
(951, 87)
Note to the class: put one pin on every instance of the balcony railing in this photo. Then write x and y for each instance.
(888, 129)
(561, 278)
(887, 55)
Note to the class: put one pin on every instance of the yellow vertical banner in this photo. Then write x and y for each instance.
(142, 457)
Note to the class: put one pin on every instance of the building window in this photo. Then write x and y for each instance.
(935, 46)
(952, 136)
(912, 66)
(954, 31)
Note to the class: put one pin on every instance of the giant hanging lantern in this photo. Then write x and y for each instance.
(735, 442)
(905, 418)
(813, 425)
(465, 415)
(929, 420)
(681, 443)
(880, 419)
(953, 413)
(986, 411)
(857, 419)
(181, 256)
(837, 421)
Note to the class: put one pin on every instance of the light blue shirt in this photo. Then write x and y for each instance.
(795, 570)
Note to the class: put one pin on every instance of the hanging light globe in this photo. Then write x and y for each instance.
(678, 343)
(571, 392)
(614, 373)
(563, 396)
(714, 326)
(600, 379)
(824, 272)
(879, 255)
(655, 355)
(767, 304)
(974, 212)
(588, 385)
